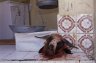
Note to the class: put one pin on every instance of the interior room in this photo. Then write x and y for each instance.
(23, 23)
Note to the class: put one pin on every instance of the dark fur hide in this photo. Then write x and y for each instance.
(56, 46)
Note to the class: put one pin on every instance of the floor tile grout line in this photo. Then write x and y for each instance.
(8, 55)
(25, 54)
(11, 52)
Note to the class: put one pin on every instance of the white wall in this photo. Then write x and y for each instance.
(0, 20)
(5, 21)
(7, 18)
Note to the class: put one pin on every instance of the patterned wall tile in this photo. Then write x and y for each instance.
(71, 38)
(66, 24)
(85, 42)
(84, 23)
(78, 30)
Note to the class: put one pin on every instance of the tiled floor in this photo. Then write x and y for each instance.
(47, 62)
(9, 53)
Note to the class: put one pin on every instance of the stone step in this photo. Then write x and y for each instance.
(47, 61)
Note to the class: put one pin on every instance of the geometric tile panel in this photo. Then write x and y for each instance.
(78, 30)
(82, 23)
(70, 38)
(85, 24)
(85, 42)
(66, 24)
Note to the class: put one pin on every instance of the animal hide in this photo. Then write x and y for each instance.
(55, 46)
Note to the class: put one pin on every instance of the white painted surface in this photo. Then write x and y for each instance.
(5, 21)
(27, 41)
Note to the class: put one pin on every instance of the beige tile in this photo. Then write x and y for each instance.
(27, 61)
(15, 61)
(9, 62)
(16, 56)
(90, 61)
(33, 56)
